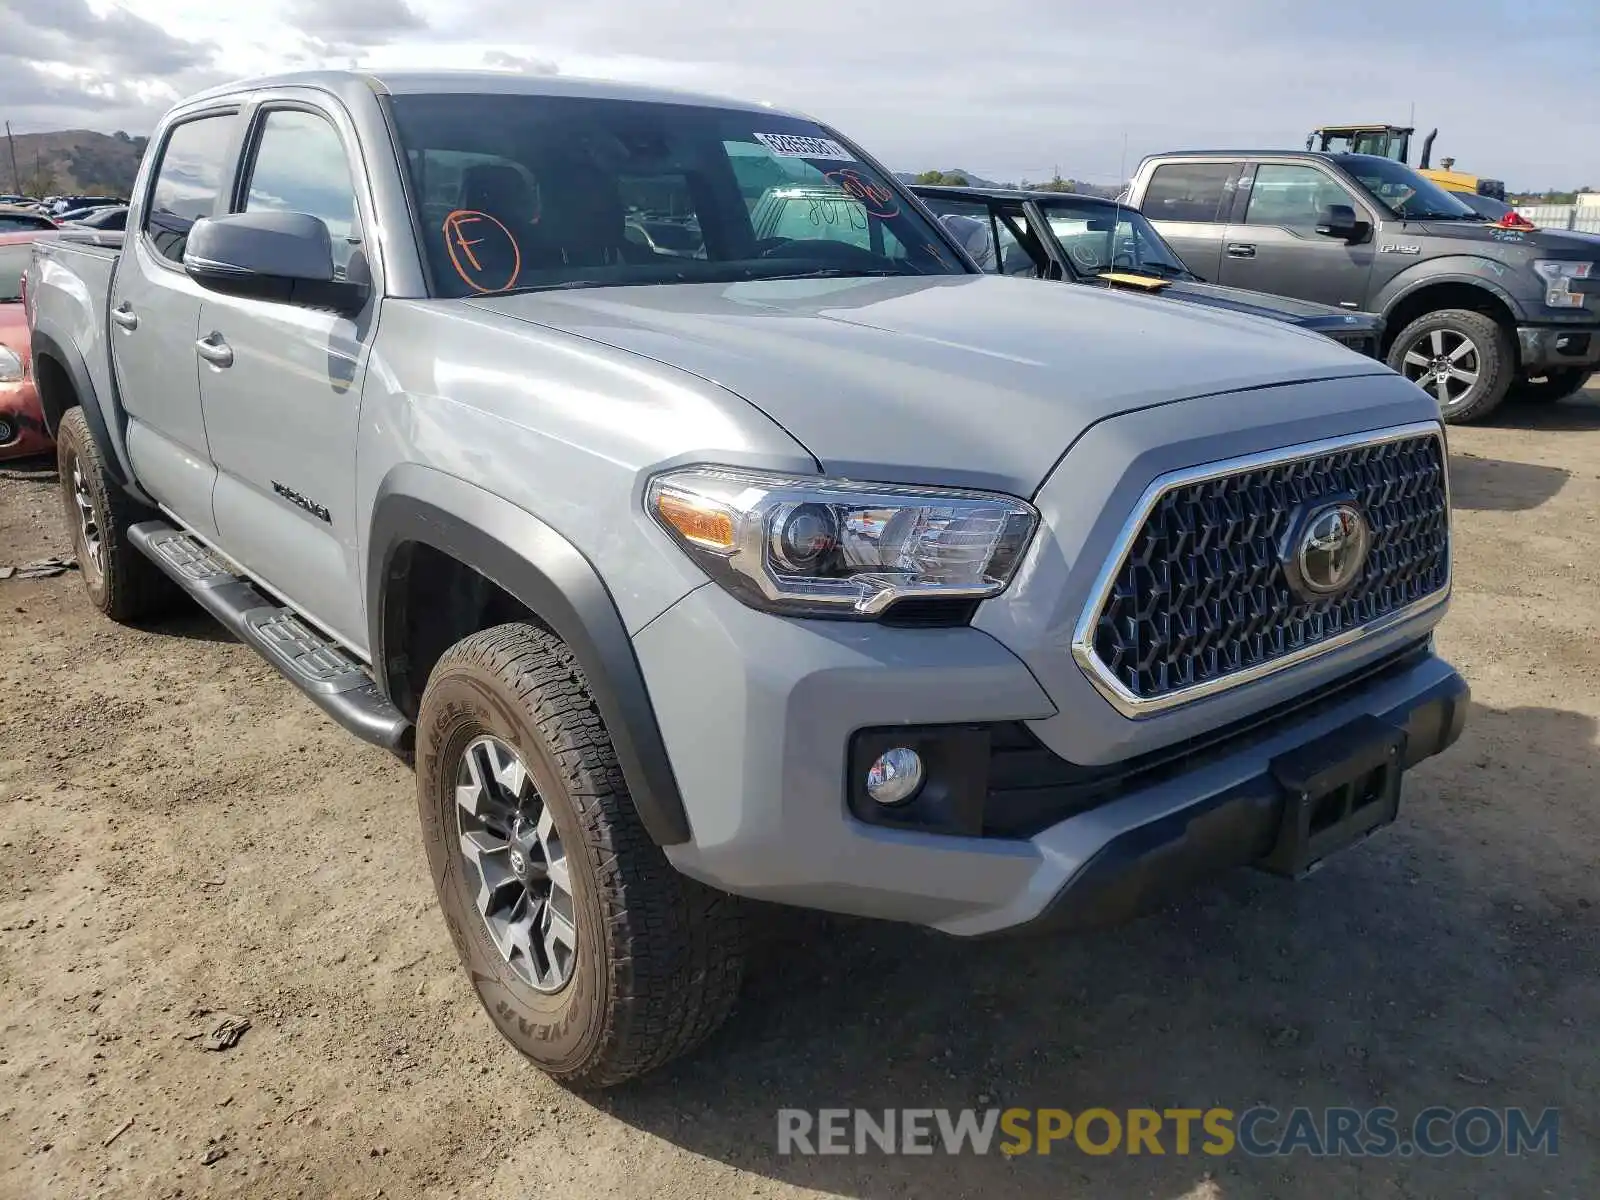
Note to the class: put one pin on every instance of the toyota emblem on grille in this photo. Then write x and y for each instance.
(1330, 549)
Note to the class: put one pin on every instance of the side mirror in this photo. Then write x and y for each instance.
(286, 257)
(1339, 221)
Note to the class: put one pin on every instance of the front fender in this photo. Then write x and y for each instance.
(552, 578)
(1471, 269)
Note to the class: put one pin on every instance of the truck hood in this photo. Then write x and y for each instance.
(974, 380)
(1558, 243)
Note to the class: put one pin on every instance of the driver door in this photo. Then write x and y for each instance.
(1276, 247)
(281, 384)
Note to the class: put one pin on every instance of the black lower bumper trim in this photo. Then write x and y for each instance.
(1153, 864)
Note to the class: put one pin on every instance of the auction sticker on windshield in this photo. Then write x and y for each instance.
(794, 145)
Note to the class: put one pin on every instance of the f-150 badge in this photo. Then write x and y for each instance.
(1396, 248)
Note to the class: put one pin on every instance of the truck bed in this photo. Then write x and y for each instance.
(69, 285)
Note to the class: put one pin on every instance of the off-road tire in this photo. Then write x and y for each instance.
(121, 582)
(1497, 362)
(659, 957)
(1555, 384)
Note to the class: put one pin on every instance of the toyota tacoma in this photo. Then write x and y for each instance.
(818, 567)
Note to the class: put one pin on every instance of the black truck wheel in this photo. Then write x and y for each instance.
(1461, 358)
(1555, 384)
(122, 583)
(590, 953)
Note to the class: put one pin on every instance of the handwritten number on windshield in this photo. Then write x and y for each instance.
(877, 199)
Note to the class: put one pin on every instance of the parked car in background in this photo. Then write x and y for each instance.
(1493, 209)
(16, 219)
(64, 204)
(1090, 240)
(823, 569)
(22, 428)
(110, 220)
(1471, 309)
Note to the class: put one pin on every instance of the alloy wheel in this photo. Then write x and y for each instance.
(1446, 363)
(512, 849)
(88, 520)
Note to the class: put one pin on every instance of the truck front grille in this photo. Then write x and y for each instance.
(1198, 597)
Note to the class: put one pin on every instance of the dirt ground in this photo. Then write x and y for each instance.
(182, 837)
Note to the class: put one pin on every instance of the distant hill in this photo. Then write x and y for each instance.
(972, 177)
(72, 160)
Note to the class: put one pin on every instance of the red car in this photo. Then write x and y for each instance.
(21, 419)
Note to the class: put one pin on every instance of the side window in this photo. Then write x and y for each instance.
(1019, 256)
(300, 167)
(1292, 196)
(188, 182)
(1188, 191)
(971, 225)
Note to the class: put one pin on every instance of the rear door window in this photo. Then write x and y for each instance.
(194, 167)
(1189, 191)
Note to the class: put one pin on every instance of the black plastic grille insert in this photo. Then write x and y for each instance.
(1202, 592)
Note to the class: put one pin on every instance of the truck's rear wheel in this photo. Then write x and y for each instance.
(1555, 384)
(1461, 358)
(122, 583)
(590, 953)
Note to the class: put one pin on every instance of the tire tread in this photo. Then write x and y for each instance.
(133, 587)
(676, 946)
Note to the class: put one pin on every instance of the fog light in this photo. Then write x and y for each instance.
(896, 776)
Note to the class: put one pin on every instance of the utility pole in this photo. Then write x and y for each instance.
(16, 175)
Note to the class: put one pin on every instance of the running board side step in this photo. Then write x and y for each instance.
(315, 663)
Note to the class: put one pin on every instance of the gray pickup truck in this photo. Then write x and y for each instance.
(816, 566)
(1475, 311)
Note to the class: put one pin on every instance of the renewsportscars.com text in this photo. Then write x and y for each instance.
(1259, 1132)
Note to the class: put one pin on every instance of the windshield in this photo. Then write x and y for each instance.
(1097, 239)
(518, 193)
(1485, 206)
(1403, 192)
(14, 260)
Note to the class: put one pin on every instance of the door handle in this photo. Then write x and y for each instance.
(215, 350)
(1241, 250)
(123, 315)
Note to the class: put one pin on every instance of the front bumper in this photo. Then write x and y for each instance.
(1551, 347)
(22, 430)
(759, 715)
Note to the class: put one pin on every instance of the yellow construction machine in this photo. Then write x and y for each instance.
(1394, 141)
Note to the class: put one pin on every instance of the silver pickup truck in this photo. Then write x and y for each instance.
(804, 563)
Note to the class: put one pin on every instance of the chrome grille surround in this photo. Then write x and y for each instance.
(1343, 454)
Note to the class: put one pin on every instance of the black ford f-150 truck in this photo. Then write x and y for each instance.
(1473, 309)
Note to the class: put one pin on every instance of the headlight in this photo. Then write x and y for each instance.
(1557, 273)
(10, 366)
(822, 547)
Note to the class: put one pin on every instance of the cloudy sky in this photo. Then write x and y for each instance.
(1007, 88)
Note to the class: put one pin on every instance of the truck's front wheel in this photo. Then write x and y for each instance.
(1461, 358)
(122, 583)
(590, 953)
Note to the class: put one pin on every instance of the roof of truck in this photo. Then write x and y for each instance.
(409, 81)
(1045, 195)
